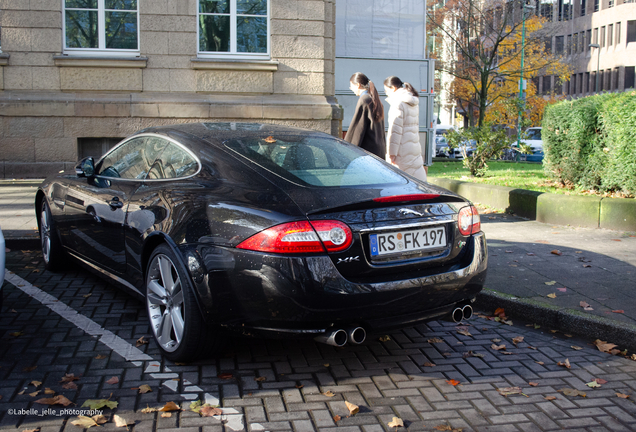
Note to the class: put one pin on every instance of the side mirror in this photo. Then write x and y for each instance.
(86, 167)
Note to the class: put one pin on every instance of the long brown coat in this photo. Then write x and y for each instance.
(363, 131)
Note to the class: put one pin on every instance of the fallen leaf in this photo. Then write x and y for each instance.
(170, 406)
(517, 340)
(100, 419)
(144, 388)
(562, 289)
(553, 295)
(565, 363)
(497, 347)
(593, 384)
(260, 379)
(29, 369)
(556, 252)
(533, 384)
(121, 422)
(619, 311)
(337, 418)
(113, 380)
(31, 430)
(48, 391)
(586, 266)
(101, 357)
(149, 410)
(427, 364)
(384, 338)
(69, 378)
(576, 347)
(584, 304)
(443, 427)
(35, 393)
(57, 400)
(495, 340)
(500, 312)
(166, 415)
(87, 295)
(604, 346)
(353, 409)
(505, 391)
(84, 422)
(96, 404)
(567, 335)
(550, 398)
(36, 383)
(210, 411)
(622, 396)
(225, 375)
(141, 341)
(572, 392)
(464, 332)
(550, 283)
(299, 386)
(329, 393)
(326, 365)
(600, 380)
(396, 422)
(472, 354)
(16, 334)
(453, 382)
(435, 340)
(70, 386)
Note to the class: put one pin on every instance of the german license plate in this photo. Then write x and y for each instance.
(407, 241)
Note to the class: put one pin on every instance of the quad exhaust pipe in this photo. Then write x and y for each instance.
(340, 337)
(461, 313)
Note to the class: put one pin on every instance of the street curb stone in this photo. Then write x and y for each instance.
(564, 319)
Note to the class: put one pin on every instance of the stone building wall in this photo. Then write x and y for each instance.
(49, 100)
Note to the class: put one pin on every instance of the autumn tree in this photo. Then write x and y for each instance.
(479, 43)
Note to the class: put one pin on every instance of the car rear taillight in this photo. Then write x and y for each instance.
(301, 237)
(405, 198)
(468, 221)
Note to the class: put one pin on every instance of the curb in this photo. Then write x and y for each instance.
(586, 211)
(563, 319)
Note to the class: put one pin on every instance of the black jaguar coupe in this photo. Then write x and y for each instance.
(263, 229)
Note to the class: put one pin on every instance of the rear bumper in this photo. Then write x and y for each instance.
(307, 295)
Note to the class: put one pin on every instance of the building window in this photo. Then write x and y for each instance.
(104, 27)
(95, 147)
(583, 6)
(601, 82)
(610, 4)
(602, 36)
(586, 83)
(575, 43)
(545, 9)
(629, 76)
(580, 83)
(595, 36)
(234, 29)
(588, 40)
(610, 35)
(568, 44)
(631, 31)
(615, 80)
(618, 33)
(558, 45)
(596, 5)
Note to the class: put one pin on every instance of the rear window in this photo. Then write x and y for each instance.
(316, 161)
(534, 134)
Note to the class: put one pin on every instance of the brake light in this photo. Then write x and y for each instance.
(301, 237)
(403, 198)
(468, 221)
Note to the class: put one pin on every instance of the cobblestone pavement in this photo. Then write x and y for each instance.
(269, 385)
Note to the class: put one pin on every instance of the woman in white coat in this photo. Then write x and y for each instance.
(403, 137)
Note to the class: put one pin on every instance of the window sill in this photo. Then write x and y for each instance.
(100, 62)
(4, 59)
(239, 65)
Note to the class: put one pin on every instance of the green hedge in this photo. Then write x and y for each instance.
(591, 142)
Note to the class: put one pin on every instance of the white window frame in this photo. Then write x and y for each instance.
(233, 54)
(101, 51)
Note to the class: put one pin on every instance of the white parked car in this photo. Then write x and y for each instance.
(533, 138)
(2, 261)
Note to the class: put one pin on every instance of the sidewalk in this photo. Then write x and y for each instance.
(528, 261)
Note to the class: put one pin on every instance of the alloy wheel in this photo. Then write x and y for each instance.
(45, 233)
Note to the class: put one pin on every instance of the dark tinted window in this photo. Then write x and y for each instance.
(534, 134)
(174, 162)
(129, 161)
(316, 161)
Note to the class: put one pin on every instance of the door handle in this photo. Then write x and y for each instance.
(115, 203)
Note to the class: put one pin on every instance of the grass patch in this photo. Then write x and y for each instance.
(519, 175)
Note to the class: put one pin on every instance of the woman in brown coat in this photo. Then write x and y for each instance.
(367, 125)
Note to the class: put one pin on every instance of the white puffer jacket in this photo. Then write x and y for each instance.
(403, 137)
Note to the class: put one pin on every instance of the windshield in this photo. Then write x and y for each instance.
(316, 161)
(534, 134)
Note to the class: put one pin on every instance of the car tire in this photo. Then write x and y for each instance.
(51, 246)
(175, 319)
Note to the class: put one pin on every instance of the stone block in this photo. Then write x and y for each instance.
(237, 82)
(284, 9)
(155, 7)
(34, 127)
(18, 78)
(311, 10)
(17, 4)
(99, 79)
(45, 5)
(32, 19)
(101, 109)
(1, 78)
(156, 80)
(107, 127)
(46, 40)
(46, 78)
(311, 83)
(169, 62)
(55, 149)
(183, 80)
(182, 7)
(297, 27)
(153, 42)
(187, 110)
(182, 43)
(305, 47)
(17, 149)
(16, 39)
(167, 23)
(286, 82)
(21, 170)
(33, 108)
(569, 210)
(302, 65)
(31, 59)
(618, 214)
(239, 111)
